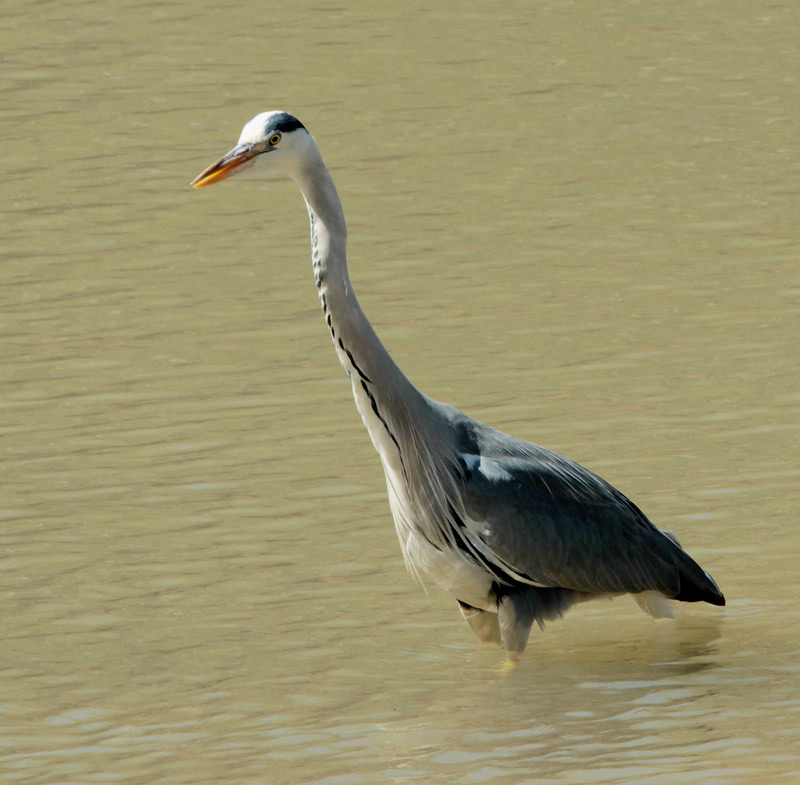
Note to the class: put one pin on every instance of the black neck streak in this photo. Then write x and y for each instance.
(319, 278)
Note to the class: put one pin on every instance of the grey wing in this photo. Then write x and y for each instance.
(548, 521)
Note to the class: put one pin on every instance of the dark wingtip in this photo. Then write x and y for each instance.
(709, 592)
(714, 599)
(695, 585)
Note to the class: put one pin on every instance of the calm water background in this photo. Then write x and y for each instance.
(577, 221)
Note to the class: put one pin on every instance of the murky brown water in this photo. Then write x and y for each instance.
(577, 221)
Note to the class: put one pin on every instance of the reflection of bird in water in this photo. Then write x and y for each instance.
(515, 532)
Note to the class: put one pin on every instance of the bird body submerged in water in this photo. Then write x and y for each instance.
(515, 532)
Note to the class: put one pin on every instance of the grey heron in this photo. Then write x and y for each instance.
(515, 532)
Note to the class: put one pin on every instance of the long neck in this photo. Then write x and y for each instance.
(384, 396)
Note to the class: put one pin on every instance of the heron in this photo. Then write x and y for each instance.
(515, 532)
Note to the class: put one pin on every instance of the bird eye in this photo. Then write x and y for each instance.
(274, 139)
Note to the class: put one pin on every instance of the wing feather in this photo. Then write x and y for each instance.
(551, 522)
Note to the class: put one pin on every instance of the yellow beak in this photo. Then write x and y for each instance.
(237, 160)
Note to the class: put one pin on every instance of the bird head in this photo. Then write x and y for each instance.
(273, 142)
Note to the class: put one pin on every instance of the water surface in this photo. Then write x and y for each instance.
(577, 222)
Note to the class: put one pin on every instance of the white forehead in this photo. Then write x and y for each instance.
(253, 130)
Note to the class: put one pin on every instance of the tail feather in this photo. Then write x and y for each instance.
(655, 603)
